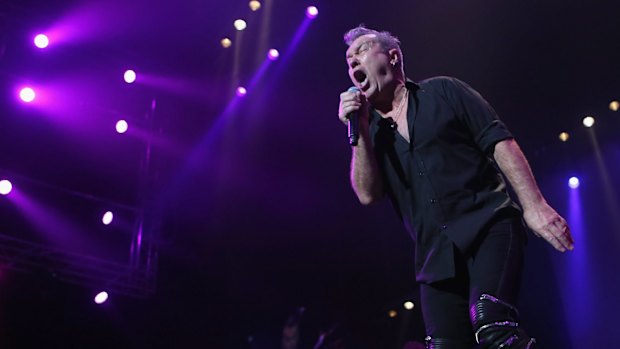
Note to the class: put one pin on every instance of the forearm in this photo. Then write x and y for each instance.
(538, 215)
(514, 166)
(365, 177)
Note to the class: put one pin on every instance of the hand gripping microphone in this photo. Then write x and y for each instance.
(354, 123)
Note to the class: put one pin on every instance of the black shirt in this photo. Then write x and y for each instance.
(443, 184)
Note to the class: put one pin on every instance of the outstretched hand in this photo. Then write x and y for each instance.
(545, 222)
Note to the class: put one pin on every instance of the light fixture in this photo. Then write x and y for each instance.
(588, 121)
(240, 24)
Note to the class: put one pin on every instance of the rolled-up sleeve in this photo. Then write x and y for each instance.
(476, 113)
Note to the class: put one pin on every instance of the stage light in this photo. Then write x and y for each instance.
(312, 12)
(614, 105)
(241, 91)
(41, 41)
(408, 305)
(226, 42)
(273, 54)
(107, 218)
(254, 5)
(392, 313)
(27, 94)
(564, 136)
(129, 76)
(5, 187)
(588, 121)
(240, 24)
(573, 182)
(122, 126)
(101, 297)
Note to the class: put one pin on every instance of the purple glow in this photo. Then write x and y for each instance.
(27, 94)
(5, 187)
(129, 76)
(101, 297)
(52, 223)
(241, 91)
(312, 12)
(107, 218)
(122, 126)
(573, 182)
(578, 275)
(41, 41)
(273, 54)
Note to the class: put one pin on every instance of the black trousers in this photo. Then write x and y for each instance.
(493, 266)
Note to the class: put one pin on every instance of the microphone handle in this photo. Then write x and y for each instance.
(354, 123)
(354, 129)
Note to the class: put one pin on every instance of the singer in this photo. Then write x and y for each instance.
(438, 150)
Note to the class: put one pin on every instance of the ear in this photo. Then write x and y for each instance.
(394, 56)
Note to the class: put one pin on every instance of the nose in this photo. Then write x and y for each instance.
(354, 63)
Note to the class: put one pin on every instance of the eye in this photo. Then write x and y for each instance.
(363, 48)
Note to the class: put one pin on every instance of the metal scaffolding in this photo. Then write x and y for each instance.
(135, 280)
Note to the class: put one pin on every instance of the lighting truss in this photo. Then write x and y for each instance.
(136, 279)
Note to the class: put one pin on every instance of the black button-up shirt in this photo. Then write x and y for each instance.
(443, 184)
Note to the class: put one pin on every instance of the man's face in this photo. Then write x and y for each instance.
(369, 66)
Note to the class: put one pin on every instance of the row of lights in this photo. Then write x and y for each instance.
(589, 121)
(408, 305)
(240, 24)
(273, 54)
(28, 95)
(5, 189)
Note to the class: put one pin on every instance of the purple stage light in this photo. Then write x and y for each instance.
(101, 297)
(5, 187)
(241, 91)
(122, 126)
(107, 218)
(129, 76)
(573, 182)
(273, 54)
(27, 94)
(41, 41)
(312, 12)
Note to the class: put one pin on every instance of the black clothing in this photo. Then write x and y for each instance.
(493, 266)
(443, 184)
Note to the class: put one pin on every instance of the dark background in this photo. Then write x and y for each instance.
(249, 200)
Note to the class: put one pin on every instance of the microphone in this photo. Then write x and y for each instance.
(354, 123)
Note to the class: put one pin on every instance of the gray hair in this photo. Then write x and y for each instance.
(385, 39)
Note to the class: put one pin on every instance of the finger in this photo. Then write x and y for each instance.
(562, 233)
(555, 231)
(556, 243)
(563, 225)
(569, 237)
(350, 96)
(347, 108)
(547, 234)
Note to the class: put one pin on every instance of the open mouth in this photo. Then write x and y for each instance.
(360, 77)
